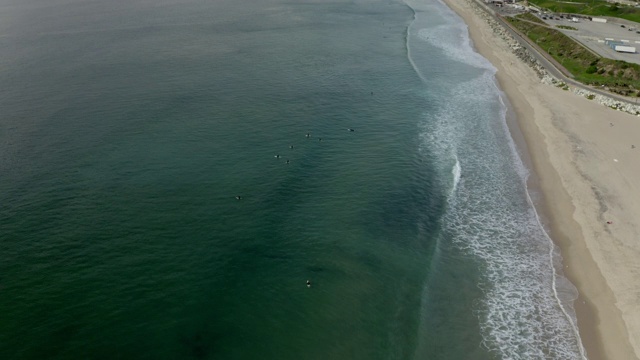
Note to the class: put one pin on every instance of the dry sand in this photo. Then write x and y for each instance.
(589, 174)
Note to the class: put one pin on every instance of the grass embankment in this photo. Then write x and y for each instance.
(619, 76)
(591, 8)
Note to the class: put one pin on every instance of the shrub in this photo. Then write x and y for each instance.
(591, 69)
(565, 27)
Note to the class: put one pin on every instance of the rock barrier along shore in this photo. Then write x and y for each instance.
(528, 58)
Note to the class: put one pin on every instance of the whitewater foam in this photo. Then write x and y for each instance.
(456, 172)
(450, 35)
(490, 213)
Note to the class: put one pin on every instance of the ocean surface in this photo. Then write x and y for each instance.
(172, 172)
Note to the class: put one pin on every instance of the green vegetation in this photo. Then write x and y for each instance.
(530, 17)
(619, 76)
(566, 27)
(590, 8)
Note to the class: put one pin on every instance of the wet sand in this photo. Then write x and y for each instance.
(587, 170)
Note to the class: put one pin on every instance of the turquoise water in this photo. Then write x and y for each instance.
(128, 129)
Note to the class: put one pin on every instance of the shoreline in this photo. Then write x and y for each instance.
(550, 132)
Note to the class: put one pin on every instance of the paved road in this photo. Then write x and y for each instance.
(554, 68)
(589, 32)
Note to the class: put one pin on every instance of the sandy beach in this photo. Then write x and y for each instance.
(586, 158)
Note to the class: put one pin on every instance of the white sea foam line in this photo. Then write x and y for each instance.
(456, 172)
(574, 326)
(523, 172)
(464, 52)
(551, 248)
(448, 145)
(569, 318)
(550, 243)
(407, 37)
(440, 37)
(437, 37)
(506, 275)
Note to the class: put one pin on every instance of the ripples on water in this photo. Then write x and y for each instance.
(130, 129)
(490, 214)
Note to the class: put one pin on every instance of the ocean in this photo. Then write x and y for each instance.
(173, 172)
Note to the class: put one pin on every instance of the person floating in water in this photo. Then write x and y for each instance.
(277, 156)
(308, 283)
(308, 135)
(238, 197)
(291, 147)
(319, 139)
(287, 161)
(350, 129)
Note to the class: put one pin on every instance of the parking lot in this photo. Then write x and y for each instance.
(592, 34)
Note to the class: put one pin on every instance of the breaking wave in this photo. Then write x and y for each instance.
(526, 311)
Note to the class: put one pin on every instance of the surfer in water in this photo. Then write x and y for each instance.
(350, 129)
(308, 283)
(238, 197)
